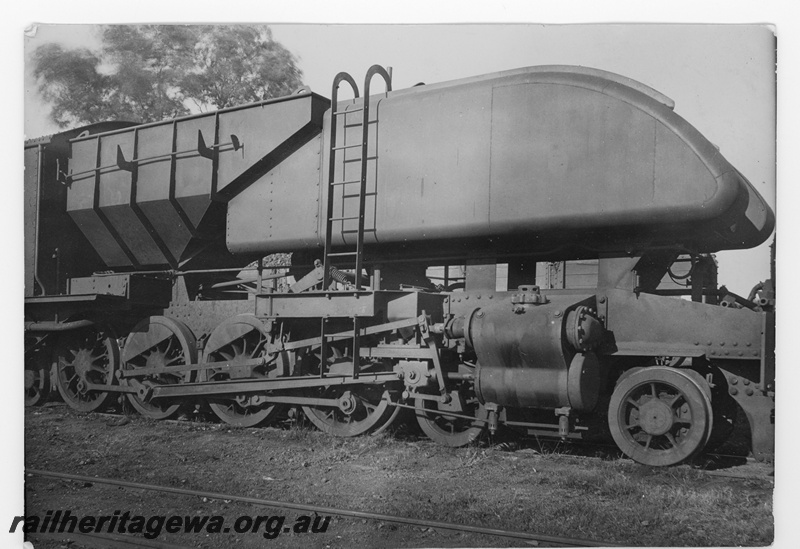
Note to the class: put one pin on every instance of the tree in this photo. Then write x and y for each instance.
(147, 73)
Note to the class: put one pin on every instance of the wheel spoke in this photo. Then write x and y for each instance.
(671, 401)
(448, 430)
(89, 355)
(681, 420)
(236, 410)
(165, 342)
(170, 342)
(671, 439)
(632, 403)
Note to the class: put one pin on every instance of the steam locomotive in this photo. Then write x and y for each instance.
(427, 229)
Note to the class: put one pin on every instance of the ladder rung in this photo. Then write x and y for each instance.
(351, 231)
(341, 254)
(343, 218)
(340, 113)
(341, 147)
(358, 159)
(334, 183)
(358, 125)
(356, 195)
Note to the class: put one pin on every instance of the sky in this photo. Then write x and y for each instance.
(721, 77)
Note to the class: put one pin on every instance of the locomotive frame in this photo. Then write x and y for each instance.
(664, 377)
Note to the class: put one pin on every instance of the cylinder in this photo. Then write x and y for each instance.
(526, 360)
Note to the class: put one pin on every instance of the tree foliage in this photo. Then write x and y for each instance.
(147, 73)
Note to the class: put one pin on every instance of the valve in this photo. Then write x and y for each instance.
(492, 408)
(563, 422)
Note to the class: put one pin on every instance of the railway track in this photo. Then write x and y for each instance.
(556, 541)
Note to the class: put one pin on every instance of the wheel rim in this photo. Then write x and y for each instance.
(156, 342)
(450, 430)
(86, 356)
(37, 386)
(238, 339)
(660, 416)
(37, 375)
(367, 409)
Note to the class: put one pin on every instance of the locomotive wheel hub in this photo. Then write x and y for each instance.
(655, 417)
(347, 403)
(83, 362)
(155, 360)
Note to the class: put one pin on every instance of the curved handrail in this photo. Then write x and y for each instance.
(342, 77)
(373, 70)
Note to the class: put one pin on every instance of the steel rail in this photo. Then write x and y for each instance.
(560, 540)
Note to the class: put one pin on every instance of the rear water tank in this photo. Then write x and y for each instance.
(529, 160)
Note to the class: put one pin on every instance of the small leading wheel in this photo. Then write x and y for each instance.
(451, 430)
(37, 371)
(236, 340)
(362, 409)
(88, 355)
(660, 416)
(159, 342)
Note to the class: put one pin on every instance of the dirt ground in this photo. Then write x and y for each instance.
(539, 488)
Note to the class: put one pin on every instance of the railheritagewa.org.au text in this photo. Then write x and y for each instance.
(269, 526)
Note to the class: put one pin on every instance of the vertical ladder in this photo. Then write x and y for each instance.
(356, 254)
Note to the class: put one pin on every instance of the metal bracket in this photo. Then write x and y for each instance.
(207, 151)
(310, 280)
(427, 337)
(126, 165)
(759, 407)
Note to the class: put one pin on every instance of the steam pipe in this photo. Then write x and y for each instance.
(54, 326)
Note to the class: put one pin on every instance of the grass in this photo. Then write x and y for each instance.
(545, 488)
(550, 490)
